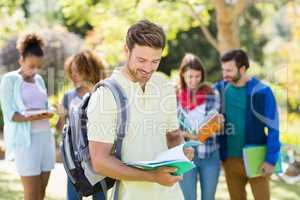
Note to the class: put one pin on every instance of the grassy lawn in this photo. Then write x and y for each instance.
(279, 190)
(11, 189)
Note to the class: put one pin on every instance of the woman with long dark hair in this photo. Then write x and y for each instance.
(197, 102)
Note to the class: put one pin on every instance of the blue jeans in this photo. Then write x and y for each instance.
(208, 171)
(73, 195)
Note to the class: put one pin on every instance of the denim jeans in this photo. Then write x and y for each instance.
(207, 170)
(73, 195)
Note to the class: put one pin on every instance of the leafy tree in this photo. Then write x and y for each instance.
(289, 59)
(9, 6)
(193, 40)
(110, 19)
(11, 18)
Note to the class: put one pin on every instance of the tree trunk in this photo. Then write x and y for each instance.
(228, 33)
(228, 16)
(228, 24)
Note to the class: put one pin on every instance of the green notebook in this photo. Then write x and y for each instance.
(182, 166)
(171, 158)
(253, 157)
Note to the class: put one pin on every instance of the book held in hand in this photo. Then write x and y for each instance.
(254, 157)
(210, 127)
(29, 113)
(173, 157)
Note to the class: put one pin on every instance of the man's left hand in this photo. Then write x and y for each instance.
(267, 169)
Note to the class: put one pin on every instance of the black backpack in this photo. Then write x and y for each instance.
(74, 145)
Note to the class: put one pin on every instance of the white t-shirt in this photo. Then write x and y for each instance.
(35, 98)
(151, 115)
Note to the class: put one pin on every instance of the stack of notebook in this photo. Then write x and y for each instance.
(254, 157)
(174, 157)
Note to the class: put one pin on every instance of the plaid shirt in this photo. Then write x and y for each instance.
(190, 120)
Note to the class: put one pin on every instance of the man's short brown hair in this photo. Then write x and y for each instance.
(145, 33)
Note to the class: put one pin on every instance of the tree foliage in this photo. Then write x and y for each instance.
(220, 26)
(111, 19)
(11, 18)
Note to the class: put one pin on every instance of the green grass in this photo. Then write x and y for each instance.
(11, 189)
(279, 190)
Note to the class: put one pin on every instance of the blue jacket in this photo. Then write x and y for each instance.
(262, 122)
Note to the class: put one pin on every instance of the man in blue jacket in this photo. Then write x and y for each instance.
(251, 118)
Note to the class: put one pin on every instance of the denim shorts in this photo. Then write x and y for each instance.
(38, 157)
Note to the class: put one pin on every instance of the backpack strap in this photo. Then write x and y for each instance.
(122, 118)
(122, 113)
(122, 110)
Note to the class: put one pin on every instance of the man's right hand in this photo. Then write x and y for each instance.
(163, 176)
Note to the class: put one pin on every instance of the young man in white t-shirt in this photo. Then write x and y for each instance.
(152, 124)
